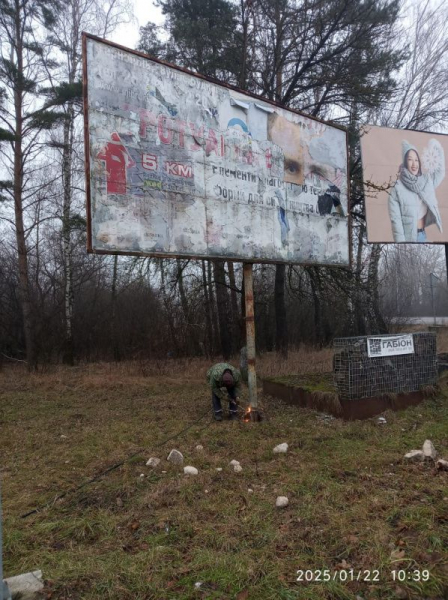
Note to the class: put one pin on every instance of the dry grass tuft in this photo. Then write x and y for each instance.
(327, 402)
(430, 391)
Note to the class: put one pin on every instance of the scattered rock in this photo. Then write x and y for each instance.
(428, 450)
(190, 471)
(442, 465)
(281, 502)
(233, 463)
(219, 469)
(325, 417)
(414, 456)
(25, 586)
(198, 585)
(250, 490)
(237, 468)
(164, 471)
(281, 448)
(153, 462)
(176, 457)
(381, 421)
(199, 447)
(142, 475)
(63, 437)
(119, 502)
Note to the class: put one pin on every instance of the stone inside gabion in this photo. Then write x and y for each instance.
(356, 375)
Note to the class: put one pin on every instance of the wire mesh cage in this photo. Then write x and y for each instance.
(356, 375)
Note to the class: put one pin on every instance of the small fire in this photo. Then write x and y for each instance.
(252, 414)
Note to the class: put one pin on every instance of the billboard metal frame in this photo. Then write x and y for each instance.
(91, 250)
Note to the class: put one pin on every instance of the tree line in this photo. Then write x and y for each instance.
(364, 61)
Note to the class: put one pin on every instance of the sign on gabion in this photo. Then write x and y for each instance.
(391, 345)
(359, 374)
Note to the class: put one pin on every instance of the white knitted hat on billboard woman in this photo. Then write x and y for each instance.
(405, 147)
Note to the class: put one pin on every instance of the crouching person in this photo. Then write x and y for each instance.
(220, 376)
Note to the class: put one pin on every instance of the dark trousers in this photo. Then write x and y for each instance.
(233, 408)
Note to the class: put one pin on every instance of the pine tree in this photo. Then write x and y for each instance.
(24, 66)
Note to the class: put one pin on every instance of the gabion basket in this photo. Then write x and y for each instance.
(356, 375)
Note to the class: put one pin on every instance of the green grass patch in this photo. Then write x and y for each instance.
(310, 382)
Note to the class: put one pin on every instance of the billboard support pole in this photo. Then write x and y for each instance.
(431, 285)
(250, 334)
(446, 260)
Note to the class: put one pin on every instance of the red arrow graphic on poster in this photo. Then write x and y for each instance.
(117, 160)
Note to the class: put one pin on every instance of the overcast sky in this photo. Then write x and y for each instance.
(144, 11)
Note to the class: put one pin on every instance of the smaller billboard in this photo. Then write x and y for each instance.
(405, 185)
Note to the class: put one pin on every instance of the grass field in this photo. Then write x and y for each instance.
(355, 506)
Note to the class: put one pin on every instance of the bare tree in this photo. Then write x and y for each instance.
(421, 99)
(101, 18)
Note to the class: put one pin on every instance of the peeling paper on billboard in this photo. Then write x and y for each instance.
(184, 167)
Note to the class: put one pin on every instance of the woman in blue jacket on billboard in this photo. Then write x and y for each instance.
(413, 203)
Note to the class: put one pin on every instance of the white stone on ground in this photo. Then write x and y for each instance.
(153, 462)
(442, 465)
(219, 469)
(190, 471)
(281, 448)
(237, 468)
(414, 456)
(428, 450)
(25, 586)
(199, 447)
(176, 457)
(281, 502)
(250, 490)
(233, 463)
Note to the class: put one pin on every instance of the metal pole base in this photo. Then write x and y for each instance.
(253, 415)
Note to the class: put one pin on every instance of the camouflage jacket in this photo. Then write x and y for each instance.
(214, 378)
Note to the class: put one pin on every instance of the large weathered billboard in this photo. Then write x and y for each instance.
(405, 185)
(178, 165)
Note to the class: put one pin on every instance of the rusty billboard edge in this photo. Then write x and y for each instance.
(235, 88)
(233, 259)
(86, 141)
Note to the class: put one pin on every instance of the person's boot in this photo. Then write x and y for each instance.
(233, 416)
(218, 416)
